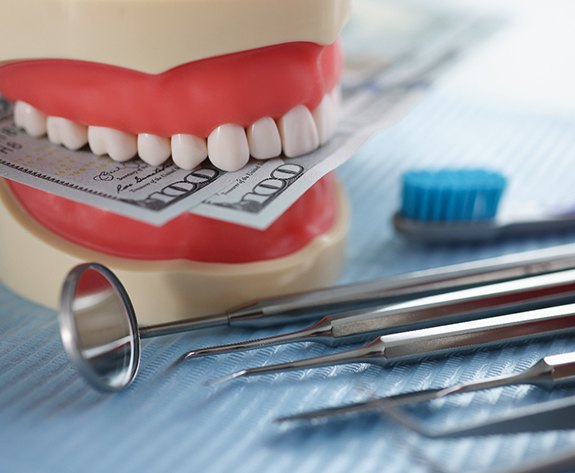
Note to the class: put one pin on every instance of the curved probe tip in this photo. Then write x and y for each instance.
(292, 418)
(191, 354)
(294, 337)
(226, 378)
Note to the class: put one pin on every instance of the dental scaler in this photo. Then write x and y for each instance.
(436, 341)
(454, 306)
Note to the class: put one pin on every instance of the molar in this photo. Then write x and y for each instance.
(298, 132)
(264, 139)
(228, 147)
(30, 119)
(153, 149)
(120, 146)
(62, 131)
(188, 151)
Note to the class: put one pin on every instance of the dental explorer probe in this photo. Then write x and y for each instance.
(436, 341)
(482, 301)
(312, 305)
(547, 372)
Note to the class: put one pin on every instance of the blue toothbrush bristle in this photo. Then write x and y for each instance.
(452, 195)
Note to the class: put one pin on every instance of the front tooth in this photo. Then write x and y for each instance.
(298, 132)
(325, 117)
(188, 150)
(31, 119)
(153, 149)
(336, 97)
(120, 146)
(228, 147)
(19, 116)
(264, 139)
(97, 141)
(62, 131)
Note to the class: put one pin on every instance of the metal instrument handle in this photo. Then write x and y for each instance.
(492, 299)
(477, 333)
(562, 367)
(308, 305)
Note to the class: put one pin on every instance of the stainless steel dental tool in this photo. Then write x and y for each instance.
(556, 414)
(456, 306)
(100, 332)
(547, 372)
(435, 341)
(312, 305)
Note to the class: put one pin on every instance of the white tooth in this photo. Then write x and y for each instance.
(97, 141)
(53, 130)
(66, 132)
(153, 149)
(336, 97)
(188, 150)
(325, 117)
(264, 139)
(31, 119)
(120, 146)
(228, 147)
(298, 132)
(19, 119)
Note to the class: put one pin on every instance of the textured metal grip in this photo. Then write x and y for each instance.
(493, 299)
(484, 332)
(313, 304)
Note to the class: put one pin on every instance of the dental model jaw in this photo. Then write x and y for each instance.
(186, 78)
(193, 267)
(265, 81)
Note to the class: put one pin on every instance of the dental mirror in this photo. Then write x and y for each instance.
(98, 327)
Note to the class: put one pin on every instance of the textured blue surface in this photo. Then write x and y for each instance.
(169, 421)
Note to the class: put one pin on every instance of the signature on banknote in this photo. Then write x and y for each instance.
(136, 175)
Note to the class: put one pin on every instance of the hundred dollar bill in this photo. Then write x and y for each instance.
(153, 195)
(377, 91)
(266, 189)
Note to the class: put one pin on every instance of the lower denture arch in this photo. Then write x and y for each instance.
(193, 98)
(188, 237)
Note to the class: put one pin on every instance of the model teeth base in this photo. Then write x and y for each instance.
(34, 262)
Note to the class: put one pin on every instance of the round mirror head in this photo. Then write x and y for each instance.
(98, 327)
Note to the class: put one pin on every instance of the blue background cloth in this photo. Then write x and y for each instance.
(168, 421)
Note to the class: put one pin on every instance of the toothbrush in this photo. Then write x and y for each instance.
(451, 205)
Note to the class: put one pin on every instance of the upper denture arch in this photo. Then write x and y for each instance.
(194, 98)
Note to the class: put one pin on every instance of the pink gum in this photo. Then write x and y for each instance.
(193, 98)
